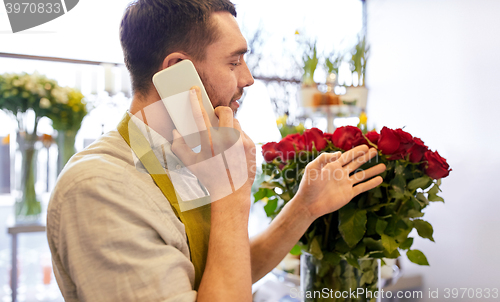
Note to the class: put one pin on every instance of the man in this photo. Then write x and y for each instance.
(113, 234)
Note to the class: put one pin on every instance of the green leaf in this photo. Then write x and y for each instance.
(296, 250)
(389, 243)
(332, 258)
(270, 207)
(406, 244)
(315, 248)
(352, 225)
(341, 246)
(434, 197)
(352, 261)
(381, 225)
(359, 250)
(311, 233)
(377, 255)
(372, 244)
(398, 183)
(285, 196)
(422, 182)
(371, 224)
(399, 169)
(396, 195)
(412, 213)
(271, 185)
(263, 192)
(393, 255)
(402, 230)
(417, 257)
(424, 229)
(377, 192)
(366, 278)
(422, 199)
(391, 226)
(433, 190)
(324, 267)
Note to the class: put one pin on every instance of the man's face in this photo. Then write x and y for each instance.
(224, 72)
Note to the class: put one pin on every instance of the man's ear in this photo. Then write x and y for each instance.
(173, 58)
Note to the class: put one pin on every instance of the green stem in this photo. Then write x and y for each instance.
(377, 206)
(67, 147)
(327, 223)
(29, 207)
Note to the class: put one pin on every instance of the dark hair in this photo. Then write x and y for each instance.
(152, 29)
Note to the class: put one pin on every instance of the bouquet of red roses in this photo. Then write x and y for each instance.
(375, 224)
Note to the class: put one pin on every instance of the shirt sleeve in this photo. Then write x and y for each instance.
(111, 241)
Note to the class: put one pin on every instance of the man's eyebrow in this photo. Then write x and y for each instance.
(239, 52)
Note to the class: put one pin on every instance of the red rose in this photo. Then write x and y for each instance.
(269, 151)
(286, 149)
(436, 166)
(347, 137)
(373, 136)
(314, 136)
(297, 139)
(417, 151)
(395, 142)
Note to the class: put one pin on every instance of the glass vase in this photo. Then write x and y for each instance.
(65, 147)
(322, 281)
(27, 205)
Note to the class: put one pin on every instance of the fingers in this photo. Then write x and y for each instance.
(367, 185)
(366, 174)
(352, 154)
(360, 160)
(323, 160)
(225, 115)
(200, 117)
(237, 126)
(181, 149)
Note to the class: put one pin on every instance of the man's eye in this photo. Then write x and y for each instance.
(236, 64)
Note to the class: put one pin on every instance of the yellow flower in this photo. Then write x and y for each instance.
(281, 121)
(363, 118)
(300, 128)
(297, 33)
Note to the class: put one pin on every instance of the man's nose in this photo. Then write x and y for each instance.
(245, 77)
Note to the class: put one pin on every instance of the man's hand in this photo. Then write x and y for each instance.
(224, 146)
(327, 184)
(229, 246)
(325, 187)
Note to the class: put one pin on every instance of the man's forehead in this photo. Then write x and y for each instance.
(230, 37)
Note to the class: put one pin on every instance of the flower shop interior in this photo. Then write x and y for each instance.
(408, 67)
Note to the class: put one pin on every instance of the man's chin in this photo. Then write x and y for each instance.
(234, 105)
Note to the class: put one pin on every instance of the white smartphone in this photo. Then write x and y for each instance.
(173, 85)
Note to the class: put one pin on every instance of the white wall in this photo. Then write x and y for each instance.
(434, 68)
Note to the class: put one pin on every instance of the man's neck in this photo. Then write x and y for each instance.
(152, 112)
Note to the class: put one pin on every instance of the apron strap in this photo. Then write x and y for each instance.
(196, 221)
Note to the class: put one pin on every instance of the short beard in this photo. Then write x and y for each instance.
(214, 96)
